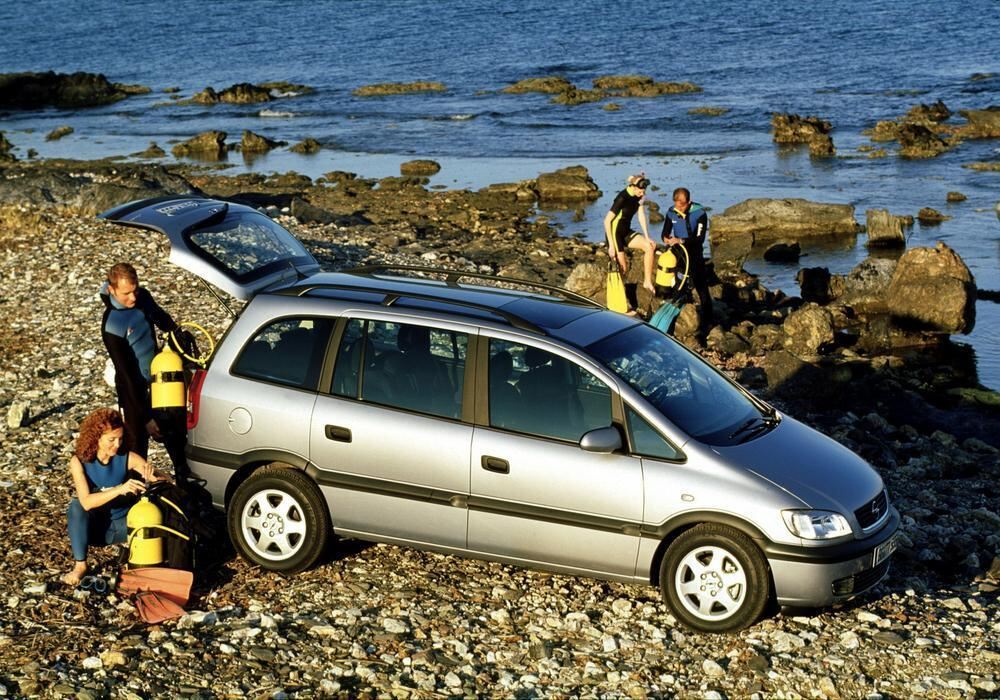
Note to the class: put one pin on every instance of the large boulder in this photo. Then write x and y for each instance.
(808, 329)
(255, 143)
(61, 90)
(730, 252)
(419, 168)
(813, 131)
(307, 146)
(983, 123)
(209, 145)
(919, 141)
(588, 279)
(241, 94)
(816, 284)
(865, 288)
(572, 184)
(933, 290)
(794, 219)
(884, 229)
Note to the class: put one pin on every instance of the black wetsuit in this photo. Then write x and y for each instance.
(624, 208)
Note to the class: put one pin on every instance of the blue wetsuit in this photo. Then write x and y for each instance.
(692, 228)
(104, 525)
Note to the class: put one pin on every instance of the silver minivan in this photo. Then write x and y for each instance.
(504, 420)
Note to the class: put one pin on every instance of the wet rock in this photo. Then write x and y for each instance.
(572, 184)
(937, 112)
(815, 284)
(795, 219)
(58, 133)
(640, 86)
(927, 215)
(240, 93)
(18, 414)
(307, 146)
(210, 145)
(983, 123)
(730, 252)
(611, 107)
(933, 288)
(955, 197)
(865, 287)
(709, 111)
(381, 89)
(5, 149)
(919, 141)
(884, 229)
(154, 151)
(726, 342)
(813, 131)
(808, 329)
(548, 85)
(783, 252)
(255, 143)
(61, 90)
(283, 88)
(419, 168)
(577, 96)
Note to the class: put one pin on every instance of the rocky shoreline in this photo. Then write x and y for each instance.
(387, 621)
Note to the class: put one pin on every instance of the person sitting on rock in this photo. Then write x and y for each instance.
(106, 480)
(618, 228)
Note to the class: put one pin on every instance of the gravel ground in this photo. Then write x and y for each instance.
(379, 620)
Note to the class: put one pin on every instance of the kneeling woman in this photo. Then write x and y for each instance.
(106, 481)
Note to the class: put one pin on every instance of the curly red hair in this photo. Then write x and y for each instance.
(92, 428)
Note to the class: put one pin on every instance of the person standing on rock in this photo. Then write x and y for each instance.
(618, 228)
(686, 224)
(131, 316)
(106, 480)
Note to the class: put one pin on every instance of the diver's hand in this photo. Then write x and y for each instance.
(132, 487)
(153, 429)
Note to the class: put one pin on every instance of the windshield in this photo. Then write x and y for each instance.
(247, 245)
(688, 391)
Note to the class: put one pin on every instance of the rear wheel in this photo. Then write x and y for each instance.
(715, 579)
(278, 520)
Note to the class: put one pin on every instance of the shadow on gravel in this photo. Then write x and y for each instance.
(54, 410)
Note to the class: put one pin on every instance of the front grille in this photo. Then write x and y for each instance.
(873, 511)
(861, 581)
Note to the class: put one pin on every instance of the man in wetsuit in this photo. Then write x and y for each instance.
(618, 228)
(687, 223)
(128, 329)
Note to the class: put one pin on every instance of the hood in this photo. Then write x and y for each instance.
(818, 470)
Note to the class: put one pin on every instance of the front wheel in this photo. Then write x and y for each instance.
(715, 579)
(278, 520)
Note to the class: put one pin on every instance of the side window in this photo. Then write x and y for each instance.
(405, 366)
(289, 352)
(536, 392)
(646, 441)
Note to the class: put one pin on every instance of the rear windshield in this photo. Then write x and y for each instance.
(688, 391)
(247, 245)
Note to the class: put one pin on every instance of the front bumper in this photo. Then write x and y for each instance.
(821, 576)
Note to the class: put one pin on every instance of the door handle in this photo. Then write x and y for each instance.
(337, 433)
(495, 464)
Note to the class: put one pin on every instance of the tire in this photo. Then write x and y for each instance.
(715, 579)
(278, 520)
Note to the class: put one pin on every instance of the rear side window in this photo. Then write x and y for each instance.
(406, 366)
(288, 352)
(536, 392)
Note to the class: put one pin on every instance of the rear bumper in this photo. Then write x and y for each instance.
(821, 576)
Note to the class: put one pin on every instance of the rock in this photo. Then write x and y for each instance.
(955, 197)
(578, 97)
(793, 129)
(419, 168)
(770, 219)
(255, 143)
(933, 289)
(307, 146)
(849, 640)
(709, 111)
(983, 123)
(712, 669)
(393, 626)
(783, 641)
(730, 252)
(611, 107)
(570, 184)
(887, 638)
(931, 216)
(5, 149)
(154, 151)
(827, 687)
(808, 329)
(815, 284)
(937, 112)
(240, 93)
(821, 146)
(783, 252)
(92, 663)
(58, 133)
(640, 86)
(588, 279)
(283, 88)
(18, 414)
(726, 342)
(36, 589)
(210, 145)
(549, 85)
(110, 659)
(866, 286)
(60, 90)
(884, 229)
(919, 141)
(381, 89)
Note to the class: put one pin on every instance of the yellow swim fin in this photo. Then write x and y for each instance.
(617, 301)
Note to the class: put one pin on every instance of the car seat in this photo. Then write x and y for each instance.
(505, 399)
(549, 397)
(424, 384)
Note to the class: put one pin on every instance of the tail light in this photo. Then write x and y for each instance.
(194, 398)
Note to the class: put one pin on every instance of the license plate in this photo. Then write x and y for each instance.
(884, 550)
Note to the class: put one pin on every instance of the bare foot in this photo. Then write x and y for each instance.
(631, 312)
(74, 576)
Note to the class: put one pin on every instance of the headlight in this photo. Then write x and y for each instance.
(816, 524)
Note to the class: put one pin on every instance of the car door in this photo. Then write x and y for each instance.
(390, 434)
(536, 496)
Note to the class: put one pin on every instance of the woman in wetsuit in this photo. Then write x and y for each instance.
(618, 228)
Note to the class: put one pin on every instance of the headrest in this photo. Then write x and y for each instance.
(534, 357)
(501, 366)
(414, 339)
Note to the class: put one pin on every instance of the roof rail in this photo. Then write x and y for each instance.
(452, 277)
(392, 297)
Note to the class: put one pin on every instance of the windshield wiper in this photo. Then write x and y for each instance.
(746, 426)
(764, 427)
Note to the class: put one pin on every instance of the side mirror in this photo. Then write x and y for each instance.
(602, 440)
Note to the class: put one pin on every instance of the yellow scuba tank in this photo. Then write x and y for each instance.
(167, 380)
(144, 519)
(666, 267)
